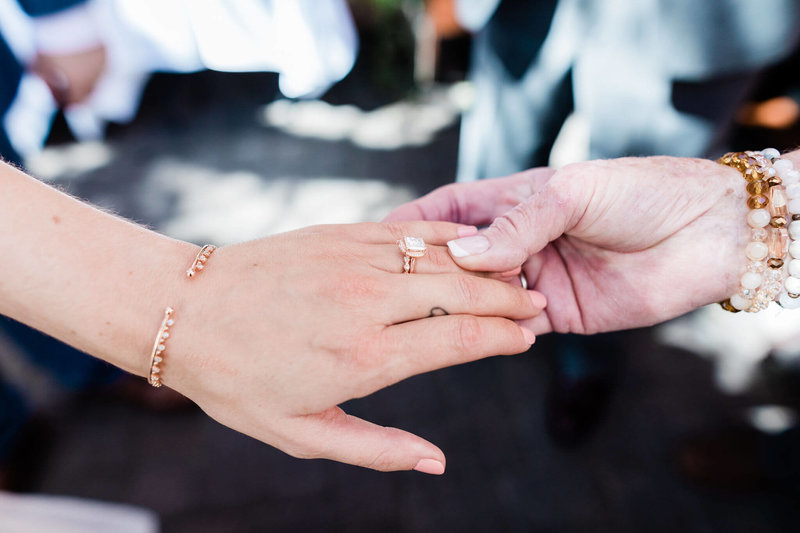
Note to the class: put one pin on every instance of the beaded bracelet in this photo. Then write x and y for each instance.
(159, 352)
(790, 295)
(768, 217)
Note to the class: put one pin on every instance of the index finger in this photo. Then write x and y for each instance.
(473, 203)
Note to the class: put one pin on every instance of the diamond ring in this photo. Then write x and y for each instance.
(412, 248)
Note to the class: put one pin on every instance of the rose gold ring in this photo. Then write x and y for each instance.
(413, 248)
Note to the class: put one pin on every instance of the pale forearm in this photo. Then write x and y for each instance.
(276, 333)
(88, 278)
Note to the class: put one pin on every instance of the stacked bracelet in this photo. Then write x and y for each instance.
(790, 295)
(768, 217)
(159, 352)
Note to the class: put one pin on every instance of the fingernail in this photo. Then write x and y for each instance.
(430, 466)
(468, 246)
(538, 299)
(466, 231)
(530, 338)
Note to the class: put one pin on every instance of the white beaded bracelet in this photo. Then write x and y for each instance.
(764, 276)
(790, 295)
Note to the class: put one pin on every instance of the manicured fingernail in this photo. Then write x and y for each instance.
(466, 231)
(538, 299)
(530, 338)
(468, 246)
(430, 466)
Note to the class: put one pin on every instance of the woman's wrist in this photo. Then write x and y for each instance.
(86, 277)
(157, 280)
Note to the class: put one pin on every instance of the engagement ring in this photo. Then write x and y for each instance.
(412, 248)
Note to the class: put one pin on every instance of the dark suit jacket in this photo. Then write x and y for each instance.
(11, 70)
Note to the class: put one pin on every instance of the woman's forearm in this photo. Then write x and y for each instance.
(275, 333)
(86, 277)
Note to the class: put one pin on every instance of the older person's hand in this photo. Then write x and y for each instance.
(72, 76)
(612, 244)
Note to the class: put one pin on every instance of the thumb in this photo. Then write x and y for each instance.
(348, 439)
(522, 232)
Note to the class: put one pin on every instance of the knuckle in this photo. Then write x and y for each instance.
(519, 299)
(439, 259)
(383, 461)
(467, 335)
(516, 229)
(468, 290)
(511, 229)
(516, 222)
(397, 230)
(366, 354)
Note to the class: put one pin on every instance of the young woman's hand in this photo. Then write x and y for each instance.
(274, 334)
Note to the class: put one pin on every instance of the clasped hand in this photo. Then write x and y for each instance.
(290, 326)
(612, 244)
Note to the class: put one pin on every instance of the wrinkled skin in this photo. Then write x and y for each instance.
(612, 244)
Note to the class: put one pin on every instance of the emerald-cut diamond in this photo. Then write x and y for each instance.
(413, 246)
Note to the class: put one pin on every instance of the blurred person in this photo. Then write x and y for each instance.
(664, 77)
(310, 44)
(68, 54)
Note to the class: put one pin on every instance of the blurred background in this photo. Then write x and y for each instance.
(226, 121)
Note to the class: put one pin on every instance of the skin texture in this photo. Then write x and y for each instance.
(273, 334)
(612, 244)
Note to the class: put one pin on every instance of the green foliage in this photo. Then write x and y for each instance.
(391, 5)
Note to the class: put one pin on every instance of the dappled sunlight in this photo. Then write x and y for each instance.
(412, 122)
(223, 207)
(772, 418)
(736, 343)
(69, 161)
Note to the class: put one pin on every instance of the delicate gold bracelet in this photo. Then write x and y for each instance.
(200, 261)
(159, 348)
(160, 345)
